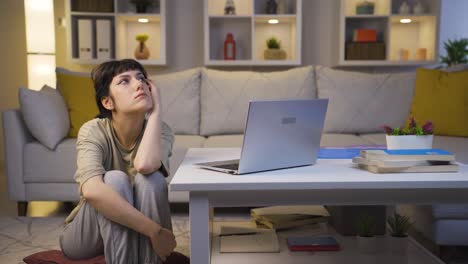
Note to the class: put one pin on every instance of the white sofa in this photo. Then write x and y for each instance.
(207, 108)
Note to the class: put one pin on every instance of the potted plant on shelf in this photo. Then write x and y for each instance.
(366, 239)
(141, 6)
(141, 51)
(399, 226)
(411, 137)
(274, 51)
(457, 52)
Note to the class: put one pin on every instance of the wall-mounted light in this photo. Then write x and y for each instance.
(405, 20)
(273, 21)
(143, 20)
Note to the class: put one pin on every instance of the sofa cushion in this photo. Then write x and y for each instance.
(342, 140)
(45, 114)
(78, 91)
(181, 144)
(450, 211)
(43, 165)
(180, 97)
(226, 95)
(224, 141)
(442, 97)
(362, 102)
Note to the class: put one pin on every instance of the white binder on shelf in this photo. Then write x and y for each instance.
(85, 39)
(103, 38)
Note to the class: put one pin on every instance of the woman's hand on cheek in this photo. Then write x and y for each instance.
(155, 96)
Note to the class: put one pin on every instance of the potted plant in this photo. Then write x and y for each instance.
(274, 51)
(141, 51)
(366, 239)
(457, 52)
(141, 6)
(399, 226)
(411, 137)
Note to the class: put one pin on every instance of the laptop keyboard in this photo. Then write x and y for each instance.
(232, 166)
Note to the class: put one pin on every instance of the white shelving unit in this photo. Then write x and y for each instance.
(404, 43)
(117, 34)
(251, 29)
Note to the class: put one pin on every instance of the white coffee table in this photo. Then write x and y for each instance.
(331, 182)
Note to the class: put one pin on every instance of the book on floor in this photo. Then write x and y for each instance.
(258, 242)
(284, 217)
(312, 243)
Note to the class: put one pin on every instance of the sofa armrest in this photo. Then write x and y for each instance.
(15, 136)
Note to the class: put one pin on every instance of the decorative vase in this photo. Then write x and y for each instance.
(274, 54)
(365, 8)
(397, 245)
(140, 8)
(418, 8)
(282, 7)
(367, 245)
(229, 47)
(142, 52)
(229, 7)
(409, 142)
(404, 8)
(271, 7)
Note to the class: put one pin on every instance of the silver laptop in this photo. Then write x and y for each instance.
(278, 134)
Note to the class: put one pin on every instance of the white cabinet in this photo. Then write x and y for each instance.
(406, 32)
(250, 28)
(107, 29)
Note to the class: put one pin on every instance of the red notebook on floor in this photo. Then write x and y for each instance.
(313, 243)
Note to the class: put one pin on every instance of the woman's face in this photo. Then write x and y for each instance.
(130, 93)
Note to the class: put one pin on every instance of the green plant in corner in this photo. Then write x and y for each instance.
(457, 52)
(366, 226)
(399, 225)
(273, 43)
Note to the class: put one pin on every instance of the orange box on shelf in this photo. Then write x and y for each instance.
(365, 35)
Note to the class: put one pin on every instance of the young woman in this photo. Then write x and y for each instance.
(122, 160)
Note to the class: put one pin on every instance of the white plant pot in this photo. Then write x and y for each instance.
(409, 142)
(397, 245)
(367, 245)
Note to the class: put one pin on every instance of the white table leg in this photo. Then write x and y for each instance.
(200, 227)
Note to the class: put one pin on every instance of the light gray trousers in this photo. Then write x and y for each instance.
(91, 234)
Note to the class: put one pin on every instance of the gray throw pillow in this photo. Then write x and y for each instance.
(45, 115)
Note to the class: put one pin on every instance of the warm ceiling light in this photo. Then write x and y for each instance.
(143, 20)
(405, 20)
(273, 21)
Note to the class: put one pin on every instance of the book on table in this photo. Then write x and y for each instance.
(312, 243)
(394, 161)
(407, 154)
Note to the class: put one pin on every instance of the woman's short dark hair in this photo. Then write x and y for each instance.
(102, 77)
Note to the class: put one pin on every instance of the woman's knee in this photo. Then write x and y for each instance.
(155, 181)
(120, 182)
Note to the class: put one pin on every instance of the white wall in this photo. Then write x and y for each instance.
(453, 22)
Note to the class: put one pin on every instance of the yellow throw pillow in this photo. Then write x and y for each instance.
(78, 91)
(442, 97)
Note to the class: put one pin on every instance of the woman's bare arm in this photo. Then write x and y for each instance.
(149, 154)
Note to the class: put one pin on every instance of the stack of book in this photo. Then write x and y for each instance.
(406, 160)
(285, 217)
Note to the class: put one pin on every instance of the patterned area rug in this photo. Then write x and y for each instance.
(23, 236)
